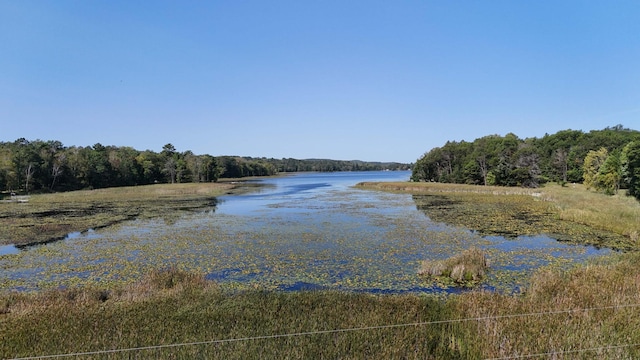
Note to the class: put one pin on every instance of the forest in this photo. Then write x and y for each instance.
(44, 166)
(604, 160)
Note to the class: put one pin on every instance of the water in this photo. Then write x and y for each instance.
(8, 250)
(297, 232)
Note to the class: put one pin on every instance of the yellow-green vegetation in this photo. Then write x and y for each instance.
(596, 306)
(585, 313)
(173, 307)
(619, 213)
(47, 217)
(569, 213)
(466, 268)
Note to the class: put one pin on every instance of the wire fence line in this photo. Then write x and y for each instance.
(364, 328)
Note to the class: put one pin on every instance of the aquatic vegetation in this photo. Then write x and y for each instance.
(101, 289)
(466, 268)
(589, 309)
(50, 217)
(341, 239)
(568, 214)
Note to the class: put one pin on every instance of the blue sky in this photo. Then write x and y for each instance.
(367, 80)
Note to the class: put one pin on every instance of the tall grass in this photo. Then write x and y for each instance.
(466, 268)
(174, 307)
(588, 312)
(136, 193)
(617, 214)
(588, 294)
(562, 315)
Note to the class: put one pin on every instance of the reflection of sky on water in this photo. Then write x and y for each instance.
(8, 250)
(304, 231)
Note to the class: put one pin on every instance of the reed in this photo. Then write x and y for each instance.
(590, 307)
(466, 268)
(618, 213)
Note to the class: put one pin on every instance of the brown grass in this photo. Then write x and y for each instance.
(467, 267)
(602, 304)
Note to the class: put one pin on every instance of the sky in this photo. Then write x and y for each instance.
(345, 80)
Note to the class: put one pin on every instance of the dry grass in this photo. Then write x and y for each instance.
(588, 294)
(439, 188)
(466, 268)
(174, 307)
(48, 217)
(137, 193)
(588, 312)
(158, 284)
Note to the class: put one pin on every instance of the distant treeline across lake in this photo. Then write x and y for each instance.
(27, 166)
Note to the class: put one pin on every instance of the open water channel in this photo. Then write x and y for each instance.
(302, 231)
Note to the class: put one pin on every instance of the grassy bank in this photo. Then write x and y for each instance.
(47, 217)
(567, 213)
(572, 314)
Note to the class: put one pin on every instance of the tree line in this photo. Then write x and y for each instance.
(27, 166)
(606, 160)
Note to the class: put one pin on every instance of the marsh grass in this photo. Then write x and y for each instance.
(466, 268)
(178, 307)
(50, 217)
(171, 307)
(618, 213)
(589, 294)
(569, 213)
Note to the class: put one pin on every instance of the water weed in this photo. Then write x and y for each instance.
(51, 217)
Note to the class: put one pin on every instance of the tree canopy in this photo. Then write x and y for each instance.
(605, 160)
(50, 166)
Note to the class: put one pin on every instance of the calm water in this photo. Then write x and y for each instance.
(304, 231)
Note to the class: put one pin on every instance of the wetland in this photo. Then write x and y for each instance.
(303, 231)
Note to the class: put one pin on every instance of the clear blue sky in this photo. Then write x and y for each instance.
(369, 80)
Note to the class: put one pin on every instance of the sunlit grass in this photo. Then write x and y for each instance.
(466, 268)
(178, 305)
(52, 216)
(602, 304)
(65, 321)
(618, 213)
(589, 307)
(549, 209)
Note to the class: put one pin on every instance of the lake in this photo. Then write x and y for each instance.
(299, 231)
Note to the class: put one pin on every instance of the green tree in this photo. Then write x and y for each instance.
(630, 168)
(592, 164)
(26, 162)
(610, 173)
(170, 166)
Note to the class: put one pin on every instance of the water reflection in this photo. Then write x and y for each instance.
(8, 250)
